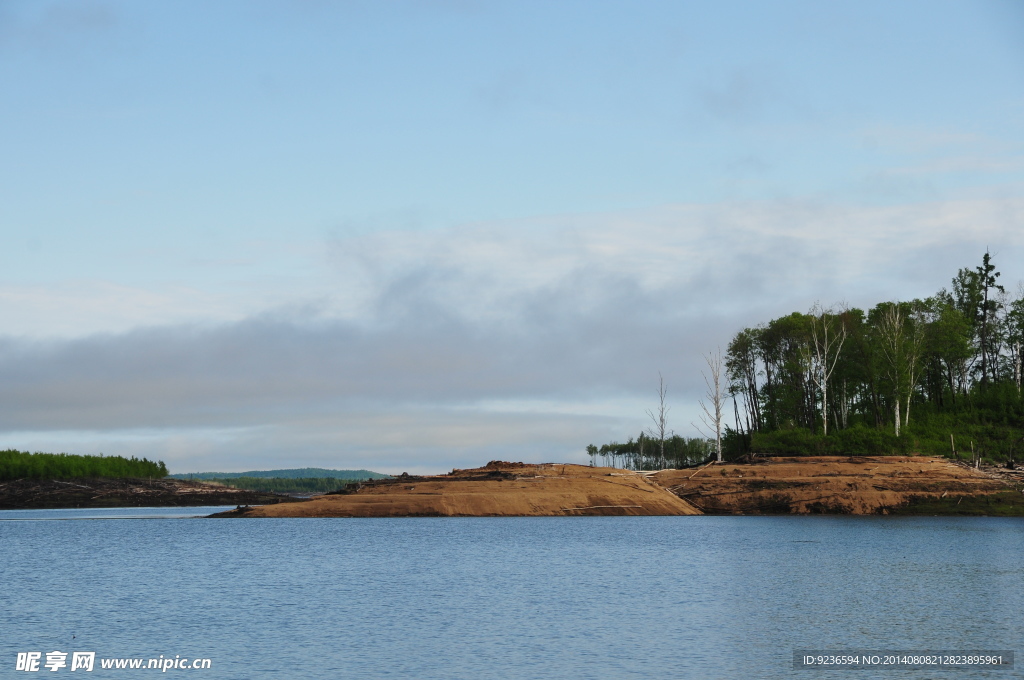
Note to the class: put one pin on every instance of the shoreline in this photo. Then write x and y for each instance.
(102, 492)
(499, 489)
(836, 485)
(847, 485)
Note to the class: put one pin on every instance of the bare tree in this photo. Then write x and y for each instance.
(712, 410)
(828, 333)
(659, 418)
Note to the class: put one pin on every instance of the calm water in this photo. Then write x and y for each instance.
(679, 597)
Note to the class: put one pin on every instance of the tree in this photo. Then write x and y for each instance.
(659, 418)
(787, 397)
(913, 353)
(741, 366)
(711, 414)
(891, 328)
(828, 333)
(1015, 334)
(987, 276)
(949, 342)
(901, 333)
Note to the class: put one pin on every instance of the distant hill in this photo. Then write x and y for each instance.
(297, 473)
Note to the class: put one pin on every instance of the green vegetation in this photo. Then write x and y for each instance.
(296, 473)
(644, 453)
(902, 377)
(938, 376)
(297, 480)
(21, 465)
(298, 485)
(1002, 504)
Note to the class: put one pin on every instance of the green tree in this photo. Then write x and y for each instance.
(1014, 323)
(987, 311)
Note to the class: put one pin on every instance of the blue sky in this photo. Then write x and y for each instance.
(422, 235)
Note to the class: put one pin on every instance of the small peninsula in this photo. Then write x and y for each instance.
(859, 485)
(498, 489)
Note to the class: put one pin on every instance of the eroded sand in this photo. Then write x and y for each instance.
(497, 490)
(849, 485)
(805, 485)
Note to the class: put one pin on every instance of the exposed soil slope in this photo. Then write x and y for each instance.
(843, 485)
(497, 490)
(114, 493)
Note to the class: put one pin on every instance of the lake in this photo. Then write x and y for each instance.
(598, 597)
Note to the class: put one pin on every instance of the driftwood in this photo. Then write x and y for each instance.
(701, 468)
(595, 507)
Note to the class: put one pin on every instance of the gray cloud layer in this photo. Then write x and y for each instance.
(238, 374)
(434, 332)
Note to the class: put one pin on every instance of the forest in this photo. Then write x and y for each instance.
(940, 375)
(23, 465)
(291, 473)
(935, 376)
(295, 485)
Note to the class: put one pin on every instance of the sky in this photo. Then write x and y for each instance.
(412, 236)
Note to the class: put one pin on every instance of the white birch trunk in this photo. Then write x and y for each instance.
(1016, 368)
(824, 407)
(828, 333)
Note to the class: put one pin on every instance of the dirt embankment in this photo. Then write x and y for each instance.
(497, 490)
(835, 485)
(840, 485)
(105, 492)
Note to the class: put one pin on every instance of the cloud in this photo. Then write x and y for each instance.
(79, 307)
(241, 374)
(736, 100)
(521, 339)
(964, 164)
(395, 440)
(693, 258)
(918, 139)
(78, 16)
(47, 27)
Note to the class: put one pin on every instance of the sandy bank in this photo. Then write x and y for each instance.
(497, 490)
(841, 485)
(804, 485)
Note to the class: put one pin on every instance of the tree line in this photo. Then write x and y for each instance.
(901, 376)
(21, 465)
(291, 473)
(648, 452)
(283, 484)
